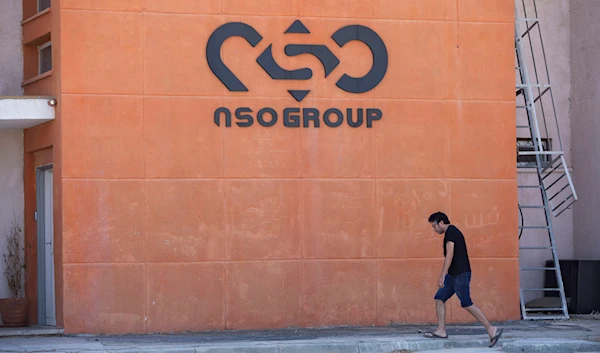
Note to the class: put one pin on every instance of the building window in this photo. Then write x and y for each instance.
(45, 57)
(528, 161)
(43, 4)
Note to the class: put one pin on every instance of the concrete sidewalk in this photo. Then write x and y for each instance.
(547, 337)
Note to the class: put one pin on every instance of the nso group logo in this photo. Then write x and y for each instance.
(294, 116)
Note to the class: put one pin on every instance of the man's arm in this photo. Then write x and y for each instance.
(447, 262)
(449, 256)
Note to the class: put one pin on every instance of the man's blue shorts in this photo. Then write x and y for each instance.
(456, 284)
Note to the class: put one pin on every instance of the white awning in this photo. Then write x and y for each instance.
(25, 112)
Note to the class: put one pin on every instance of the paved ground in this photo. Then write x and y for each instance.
(523, 336)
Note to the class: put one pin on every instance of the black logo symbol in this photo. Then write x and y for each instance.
(320, 51)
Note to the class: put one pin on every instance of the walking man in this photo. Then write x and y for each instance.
(455, 278)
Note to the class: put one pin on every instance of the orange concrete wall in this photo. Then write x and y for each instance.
(172, 223)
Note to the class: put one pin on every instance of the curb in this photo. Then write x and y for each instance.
(358, 346)
(339, 346)
(550, 346)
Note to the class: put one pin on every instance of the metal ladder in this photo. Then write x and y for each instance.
(554, 182)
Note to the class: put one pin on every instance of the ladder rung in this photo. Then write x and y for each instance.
(559, 155)
(535, 248)
(530, 28)
(566, 207)
(542, 153)
(541, 94)
(545, 317)
(527, 19)
(534, 227)
(555, 182)
(560, 204)
(538, 269)
(532, 206)
(541, 289)
(561, 190)
(529, 186)
(536, 85)
(522, 126)
(543, 309)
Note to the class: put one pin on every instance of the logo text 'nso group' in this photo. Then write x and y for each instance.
(295, 116)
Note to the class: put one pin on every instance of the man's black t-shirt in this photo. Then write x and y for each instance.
(460, 261)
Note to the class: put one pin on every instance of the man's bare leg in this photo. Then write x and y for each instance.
(440, 308)
(478, 314)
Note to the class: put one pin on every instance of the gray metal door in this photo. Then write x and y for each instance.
(45, 232)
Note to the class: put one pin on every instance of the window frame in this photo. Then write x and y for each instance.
(40, 48)
(526, 144)
(39, 4)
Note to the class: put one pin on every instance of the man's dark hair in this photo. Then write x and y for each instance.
(439, 217)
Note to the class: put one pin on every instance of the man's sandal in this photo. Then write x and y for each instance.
(435, 335)
(495, 339)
